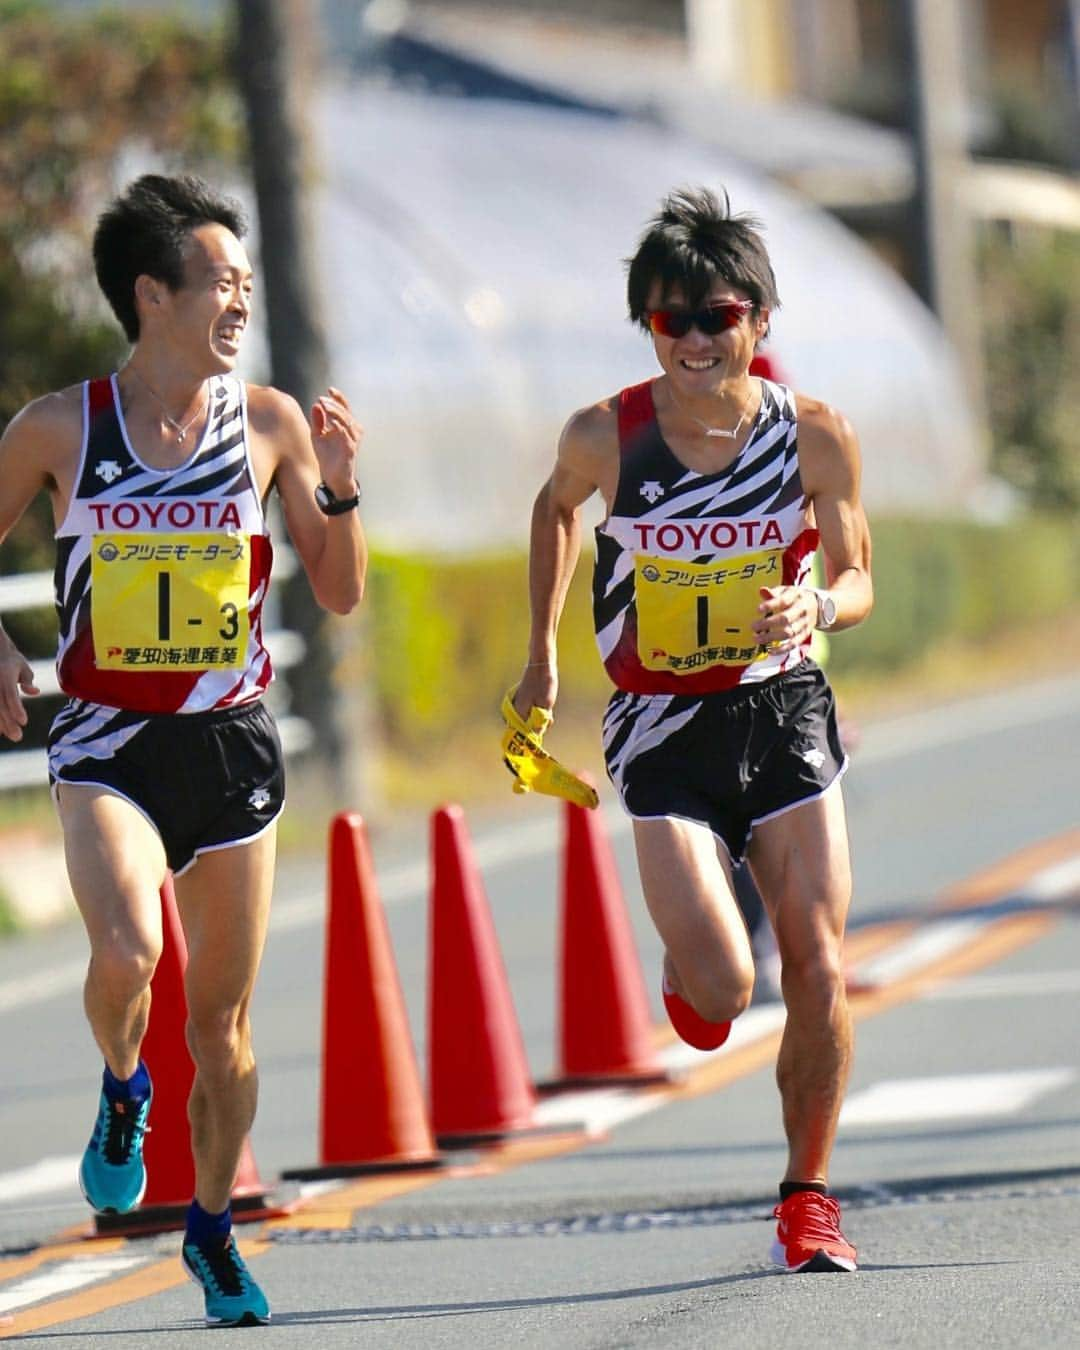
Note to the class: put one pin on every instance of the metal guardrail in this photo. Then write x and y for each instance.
(34, 590)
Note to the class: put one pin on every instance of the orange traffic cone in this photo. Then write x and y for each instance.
(481, 1091)
(373, 1114)
(170, 1168)
(605, 1024)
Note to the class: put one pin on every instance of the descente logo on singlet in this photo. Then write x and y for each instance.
(177, 515)
(674, 536)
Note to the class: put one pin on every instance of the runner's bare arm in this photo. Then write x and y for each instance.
(587, 461)
(32, 450)
(830, 467)
(296, 456)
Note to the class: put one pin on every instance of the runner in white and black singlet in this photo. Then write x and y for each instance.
(721, 735)
(164, 756)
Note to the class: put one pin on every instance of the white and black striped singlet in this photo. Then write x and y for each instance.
(682, 556)
(161, 574)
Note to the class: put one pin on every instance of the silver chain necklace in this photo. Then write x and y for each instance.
(181, 431)
(718, 432)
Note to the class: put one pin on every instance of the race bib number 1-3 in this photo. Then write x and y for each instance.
(691, 616)
(170, 600)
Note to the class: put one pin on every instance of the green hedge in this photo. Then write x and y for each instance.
(449, 635)
(954, 580)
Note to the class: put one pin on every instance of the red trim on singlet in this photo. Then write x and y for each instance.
(99, 395)
(636, 412)
(764, 366)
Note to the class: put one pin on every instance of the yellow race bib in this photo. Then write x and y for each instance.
(178, 601)
(691, 616)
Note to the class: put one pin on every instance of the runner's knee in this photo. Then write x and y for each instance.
(219, 1038)
(718, 995)
(814, 979)
(122, 968)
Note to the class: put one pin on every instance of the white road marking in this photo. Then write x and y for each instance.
(1015, 984)
(984, 715)
(1060, 882)
(42, 985)
(910, 1100)
(931, 942)
(596, 1109)
(40, 1178)
(68, 1275)
(600, 1109)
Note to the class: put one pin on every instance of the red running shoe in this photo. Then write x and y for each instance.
(693, 1028)
(808, 1235)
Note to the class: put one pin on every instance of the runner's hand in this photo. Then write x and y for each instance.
(335, 438)
(15, 676)
(533, 768)
(787, 617)
(539, 688)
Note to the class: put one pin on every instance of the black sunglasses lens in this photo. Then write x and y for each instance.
(718, 319)
(670, 323)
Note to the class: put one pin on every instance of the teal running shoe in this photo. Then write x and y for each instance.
(112, 1175)
(233, 1299)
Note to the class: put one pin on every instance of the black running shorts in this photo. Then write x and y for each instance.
(727, 760)
(204, 780)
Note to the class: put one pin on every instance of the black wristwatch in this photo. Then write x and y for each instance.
(332, 505)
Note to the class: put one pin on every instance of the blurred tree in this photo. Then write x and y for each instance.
(1031, 325)
(77, 92)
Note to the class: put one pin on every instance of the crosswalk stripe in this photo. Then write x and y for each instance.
(909, 1100)
(67, 1276)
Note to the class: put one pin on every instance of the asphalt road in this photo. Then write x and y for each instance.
(958, 1161)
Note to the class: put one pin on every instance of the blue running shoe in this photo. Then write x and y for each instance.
(112, 1175)
(233, 1299)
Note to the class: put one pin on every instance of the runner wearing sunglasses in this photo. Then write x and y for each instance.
(721, 735)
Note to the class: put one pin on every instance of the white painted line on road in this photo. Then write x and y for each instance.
(40, 1178)
(930, 943)
(42, 985)
(678, 1057)
(986, 714)
(68, 1275)
(910, 1100)
(1017, 984)
(600, 1109)
(1060, 882)
(597, 1109)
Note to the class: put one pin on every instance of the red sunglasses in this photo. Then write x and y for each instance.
(676, 323)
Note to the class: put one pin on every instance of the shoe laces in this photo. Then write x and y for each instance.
(811, 1215)
(225, 1265)
(123, 1130)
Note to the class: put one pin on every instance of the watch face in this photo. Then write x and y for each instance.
(322, 495)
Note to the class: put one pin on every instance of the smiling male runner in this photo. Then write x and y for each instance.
(164, 755)
(721, 736)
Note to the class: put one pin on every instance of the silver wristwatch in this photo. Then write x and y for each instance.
(826, 608)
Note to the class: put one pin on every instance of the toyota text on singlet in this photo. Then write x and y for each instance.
(682, 557)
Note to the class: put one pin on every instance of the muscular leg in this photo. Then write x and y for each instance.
(116, 864)
(224, 904)
(687, 885)
(800, 860)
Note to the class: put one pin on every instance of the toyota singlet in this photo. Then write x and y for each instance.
(682, 556)
(161, 574)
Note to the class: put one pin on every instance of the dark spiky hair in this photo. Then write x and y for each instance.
(692, 243)
(145, 231)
